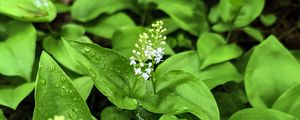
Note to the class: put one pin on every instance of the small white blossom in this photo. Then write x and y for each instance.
(145, 76)
(149, 48)
(137, 71)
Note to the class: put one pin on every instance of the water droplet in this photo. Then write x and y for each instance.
(57, 85)
(52, 68)
(43, 82)
(63, 87)
(75, 109)
(87, 49)
(63, 79)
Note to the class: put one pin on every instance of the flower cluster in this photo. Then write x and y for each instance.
(149, 50)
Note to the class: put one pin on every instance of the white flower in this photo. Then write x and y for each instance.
(137, 71)
(145, 76)
(148, 70)
(149, 50)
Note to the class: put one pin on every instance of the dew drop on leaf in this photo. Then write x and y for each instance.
(87, 49)
(52, 68)
(43, 82)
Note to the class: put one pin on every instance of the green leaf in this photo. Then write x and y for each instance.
(55, 95)
(56, 47)
(114, 113)
(18, 49)
(193, 19)
(228, 15)
(13, 96)
(61, 7)
(213, 49)
(29, 10)
(2, 117)
(124, 39)
(169, 117)
(63, 54)
(83, 10)
(268, 20)
(254, 33)
(111, 73)
(84, 85)
(107, 26)
(271, 70)
(170, 25)
(189, 61)
(289, 101)
(72, 31)
(179, 92)
(261, 114)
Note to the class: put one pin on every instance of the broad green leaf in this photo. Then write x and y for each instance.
(248, 12)
(213, 49)
(169, 117)
(84, 85)
(62, 54)
(61, 7)
(261, 114)
(29, 10)
(271, 70)
(254, 33)
(268, 20)
(228, 15)
(189, 61)
(124, 39)
(111, 73)
(13, 96)
(18, 49)
(107, 26)
(72, 31)
(114, 113)
(189, 15)
(58, 50)
(55, 95)
(2, 117)
(289, 101)
(170, 25)
(179, 92)
(86, 10)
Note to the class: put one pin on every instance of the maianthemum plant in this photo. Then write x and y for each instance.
(150, 59)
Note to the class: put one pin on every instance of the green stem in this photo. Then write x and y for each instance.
(153, 78)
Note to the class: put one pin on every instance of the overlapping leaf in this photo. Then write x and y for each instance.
(29, 10)
(229, 14)
(189, 15)
(18, 49)
(55, 95)
(179, 92)
(13, 96)
(111, 73)
(86, 10)
(213, 49)
(271, 70)
(289, 101)
(107, 26)
(261, 114)
(189, 61)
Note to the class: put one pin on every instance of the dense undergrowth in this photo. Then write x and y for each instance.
(111, 60)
